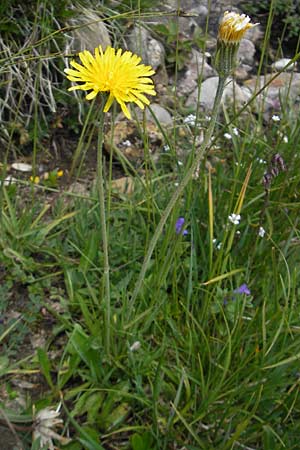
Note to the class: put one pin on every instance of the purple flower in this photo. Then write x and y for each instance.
(179, 226)
(243, 289)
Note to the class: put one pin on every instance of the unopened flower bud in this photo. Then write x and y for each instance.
(232, 28)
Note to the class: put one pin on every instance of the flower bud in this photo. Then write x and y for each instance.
(232, 28)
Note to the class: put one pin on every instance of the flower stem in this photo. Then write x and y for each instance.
(101, 197)
(198, 156)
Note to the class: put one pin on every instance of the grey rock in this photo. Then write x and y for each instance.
(242, 72)
(281, 63)
(283, 90)
(90, 32)
(142, 44)
(152, 52)
(197, 67)
(161, 114)
(155, 54)
(138, 42)
(232, 93)
(246, 52)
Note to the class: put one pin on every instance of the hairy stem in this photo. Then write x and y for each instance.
(101, 197)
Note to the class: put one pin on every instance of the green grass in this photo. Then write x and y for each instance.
(215, 369)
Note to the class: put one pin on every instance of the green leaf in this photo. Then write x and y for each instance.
(141, 441)
(45, 366)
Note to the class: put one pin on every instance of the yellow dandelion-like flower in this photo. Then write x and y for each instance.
(116, 72)
(233, 26)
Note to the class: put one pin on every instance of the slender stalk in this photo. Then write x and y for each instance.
(82, 135)
(198, 156)
(101, 196)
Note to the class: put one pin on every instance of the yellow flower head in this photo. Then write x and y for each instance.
(120, 74)
(233, 26)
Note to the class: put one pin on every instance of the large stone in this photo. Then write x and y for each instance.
(281, 63)
(246, 52)
(232, 94)
(151, 51)
(285, 88)
(161, 114)
(89, 32)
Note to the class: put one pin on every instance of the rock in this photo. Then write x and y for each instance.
(155, 54)
(281, 63)
(8, 181)
(246, 52)
(123, 185)
(90, 32)
(286, 87)
(242, 72)
(22, 167)
(197, 67)
(151, 51)
(161, 114)
(232, 92)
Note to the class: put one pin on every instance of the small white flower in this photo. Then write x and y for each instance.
(234, 218)
(285, 139)
(190, 120)
(217, 244)
(208, 118)
(126, 143)
(180, 163)
(261, 232)
(235, 131)
(227, 136)
(261, 161)
(238, 232)
(176, 184)
(275, 118)
(166, 148)
(135, 346)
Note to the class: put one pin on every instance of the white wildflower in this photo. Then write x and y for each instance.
(261, 232)
(126, 143)
(227, 136)
(190, 120)
(285, 139)
(217, 244)
(275, 118)
(261, 161)
(234, 218)
(235, 131)
(166, 148)
(180, 163)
